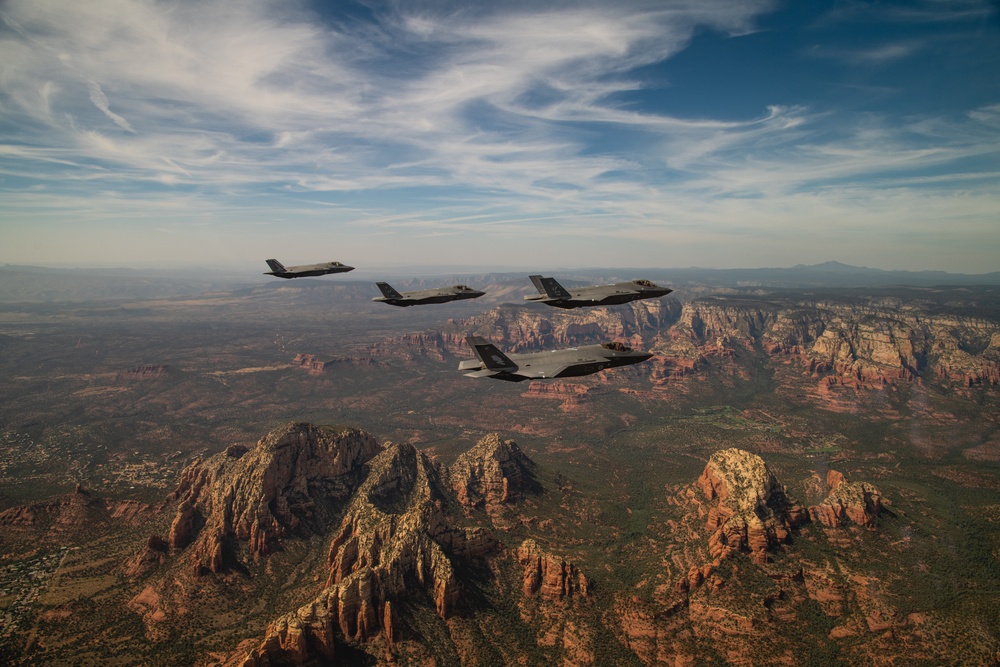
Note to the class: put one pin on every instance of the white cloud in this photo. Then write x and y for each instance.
(504, 120)
(101, 101)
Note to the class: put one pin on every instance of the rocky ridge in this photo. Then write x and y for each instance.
(397, 532)
(289, 482)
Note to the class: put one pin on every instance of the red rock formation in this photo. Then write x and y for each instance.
(492, 473)
(154, 555)
(574, 395)
(550, 576)
(753, 513)
(395, 533)
(311, 363)
(74, 511)
(859, 503)
(182, 529)
(262, 495)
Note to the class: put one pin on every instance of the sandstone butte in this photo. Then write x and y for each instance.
(549, 575)
(753, 512)
(491, 474)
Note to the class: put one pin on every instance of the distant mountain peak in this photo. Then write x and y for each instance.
(834, 265)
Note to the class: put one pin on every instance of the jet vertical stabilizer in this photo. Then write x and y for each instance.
(388, 291)
(550, 287)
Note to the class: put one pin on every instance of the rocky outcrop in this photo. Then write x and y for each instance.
(80, 509)
(573, 395)
(858, 503)
(750, 511)
(958, 365)
(396, 534)
(290, 482)
(521, 328)
(311, 363)
(753, 513)
(550, 576)
(491, 474)
(154, 555)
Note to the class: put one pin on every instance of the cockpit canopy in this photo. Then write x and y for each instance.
(616, 347)
(462, 288)
(643, 283)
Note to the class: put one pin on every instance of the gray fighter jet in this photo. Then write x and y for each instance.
(552, 293)
(420, 297)
(571, 362)
(279, 270)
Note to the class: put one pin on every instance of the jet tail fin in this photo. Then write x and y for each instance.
(388, 291)
(492, 358)
(549, 287)
(275, 265)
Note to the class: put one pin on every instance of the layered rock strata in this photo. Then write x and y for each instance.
(548, 575)
(753, 512)
(289, 482)
(858, 503)
(396, 533)
(493, 473)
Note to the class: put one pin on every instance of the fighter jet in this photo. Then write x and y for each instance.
(420, 297)
(279, 270)
(571, 362)
(552, 293)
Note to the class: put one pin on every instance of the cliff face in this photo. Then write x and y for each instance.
(855, 344)
(491, 474)
(743, 606)
(395, 534)
(550, 576)
(287, 483)
(858, 503)
(753, 513)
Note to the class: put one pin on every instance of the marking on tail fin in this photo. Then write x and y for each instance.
(276, 266)
(550, 287)
(489, 354)
(388, 291)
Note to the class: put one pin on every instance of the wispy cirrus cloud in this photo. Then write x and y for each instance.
(506, 120)
(101, 101)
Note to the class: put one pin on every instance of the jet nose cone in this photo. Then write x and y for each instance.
(643, 356)
(347, 268)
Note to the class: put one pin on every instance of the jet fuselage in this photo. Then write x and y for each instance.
(552, 293)
(569, 362)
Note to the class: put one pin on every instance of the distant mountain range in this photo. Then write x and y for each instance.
(41, 284)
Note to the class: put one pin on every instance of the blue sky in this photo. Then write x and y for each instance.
(516, 134)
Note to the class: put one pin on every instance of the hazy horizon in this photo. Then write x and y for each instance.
(418, 270)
